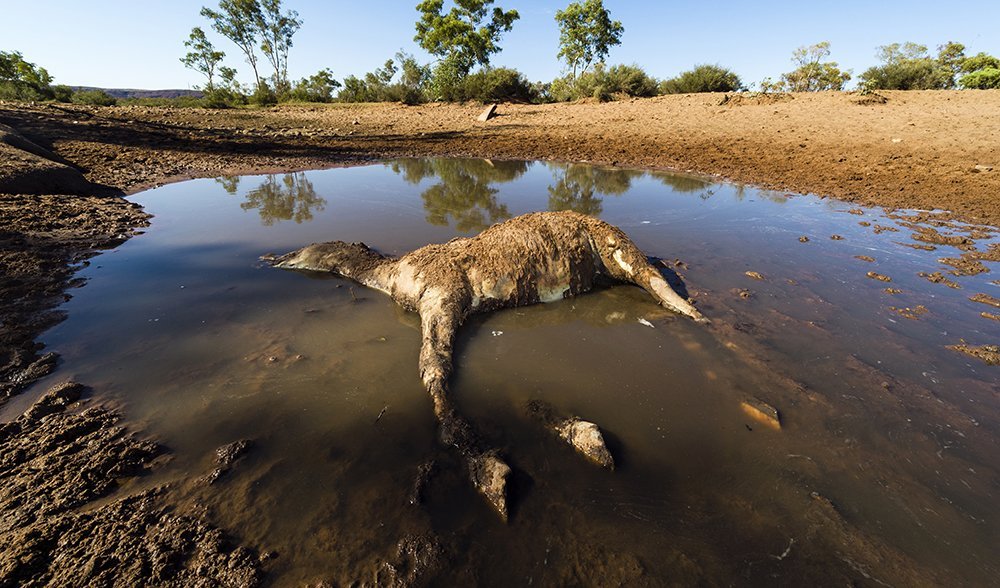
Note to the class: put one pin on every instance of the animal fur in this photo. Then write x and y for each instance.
(538, 257)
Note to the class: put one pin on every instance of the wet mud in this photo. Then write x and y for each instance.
(77, 505)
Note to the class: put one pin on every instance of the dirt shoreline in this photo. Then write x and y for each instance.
(63, 170)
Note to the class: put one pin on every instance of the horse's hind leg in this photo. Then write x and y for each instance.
(487, 471)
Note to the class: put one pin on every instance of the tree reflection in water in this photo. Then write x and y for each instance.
(580, 187)
(464, 194)
(682, 183)
(280, 197)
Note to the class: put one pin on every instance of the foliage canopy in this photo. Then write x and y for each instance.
(813, 74)
(703, 78)
(464, 37)
(586, 34)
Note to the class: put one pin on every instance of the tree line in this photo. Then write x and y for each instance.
(463, 40)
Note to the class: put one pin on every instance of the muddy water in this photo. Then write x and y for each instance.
(885, 469)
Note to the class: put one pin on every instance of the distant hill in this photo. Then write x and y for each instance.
(129, 93)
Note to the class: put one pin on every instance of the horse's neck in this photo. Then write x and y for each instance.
(376, 272)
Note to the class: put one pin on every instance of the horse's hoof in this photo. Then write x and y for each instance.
(489, 475)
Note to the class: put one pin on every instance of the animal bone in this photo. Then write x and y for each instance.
(538, 257)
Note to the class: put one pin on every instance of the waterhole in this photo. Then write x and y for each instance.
(884, 468)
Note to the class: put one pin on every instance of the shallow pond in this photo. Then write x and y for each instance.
(885, 468)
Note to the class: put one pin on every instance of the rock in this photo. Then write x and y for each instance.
(879, 277)
(228, 454)
(225, 457)
(487, 114)
(761, 412)
(980, 168)
(586, 438)
(988, 353)
(755, 276)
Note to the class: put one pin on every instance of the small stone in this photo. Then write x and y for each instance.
(867, 258)
(755, 276)
(836, 238)
(879, 277)
(980, 168)
(487, 114)
(803, 239)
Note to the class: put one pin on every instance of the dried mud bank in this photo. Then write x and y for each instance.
(62, 522)
(70, 511)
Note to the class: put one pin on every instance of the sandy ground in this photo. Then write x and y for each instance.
(917, 150)
(63, 170)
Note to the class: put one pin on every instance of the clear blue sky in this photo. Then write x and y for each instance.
(137, 43)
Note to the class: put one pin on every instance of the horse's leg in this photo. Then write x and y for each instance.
(439, 320)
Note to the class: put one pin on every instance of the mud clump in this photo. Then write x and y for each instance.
(879, 277)
(985, 299)
(54, 464)
(988, 353)
(910, 313)
(930, 235)
(867, 258)
(225, 457)
(966, 265)
(939, 278)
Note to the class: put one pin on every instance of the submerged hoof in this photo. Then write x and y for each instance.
(586, 438)
(489, 475)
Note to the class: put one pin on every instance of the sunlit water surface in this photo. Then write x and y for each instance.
(885, 469)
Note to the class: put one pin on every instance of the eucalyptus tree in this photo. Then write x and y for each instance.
(586, 34)
(465, 36)
(202, 56)
(276, 29)
(237, 21)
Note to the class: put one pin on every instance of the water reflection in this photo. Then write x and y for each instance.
(681, 183)
(580, 188)
(464, 193)
(292, 197)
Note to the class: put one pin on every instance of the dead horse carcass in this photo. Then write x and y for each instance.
(538, 257)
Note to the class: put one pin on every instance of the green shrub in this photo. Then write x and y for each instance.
(62, 93)
(501, 84)
(264, 95)
(410, 86)
(20, 80)
(94, 98)
(604, 84)
(911, 74)
(982, 79)
(982, 72)
(316, 88)
(907, 66)
(703, 78)
(217, 97)
(631, 81)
